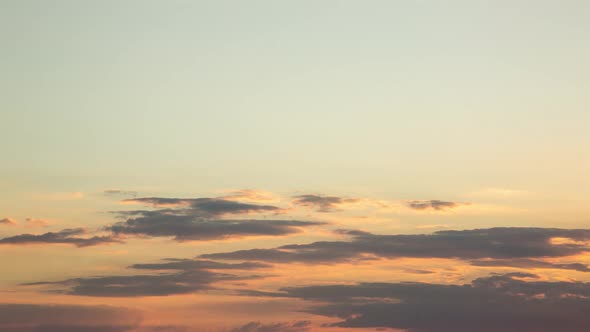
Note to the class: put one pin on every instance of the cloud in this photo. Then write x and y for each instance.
(497, 243)
(67, 318)
(68, 328)
(434, 204)
(297, 326)
(322, 203)
(36, 223)
(66, 236)
(173, 223)
(250, 195)
(198, 264)
(7, 221)
(119, 192)
(508, 303)
(525, 263)
(187, 276)
(206, 207)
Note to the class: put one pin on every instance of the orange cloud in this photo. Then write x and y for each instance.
(8, 221)
(36, 223)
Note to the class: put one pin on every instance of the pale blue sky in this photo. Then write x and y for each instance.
(393, 98)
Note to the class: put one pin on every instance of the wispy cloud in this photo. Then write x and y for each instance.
(433, 204)
(199, 219)
(206, 207)
(7, 221)
(120, 192)
(66, 236)
(297, 326)
(36, 223)
(251, 195)
(176, 276)
(323, 203)
(190, 228)
(499, 243)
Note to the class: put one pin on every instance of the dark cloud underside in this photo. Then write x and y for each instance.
(206, 207)
(66, 236)
(433, 204)
(7, 221)
(297, 326)
(186, 276)
(507, 303)
(67, 318)
(189, 228)
(322, 203)
(496, 243)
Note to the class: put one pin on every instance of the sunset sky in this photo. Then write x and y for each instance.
(294, 166)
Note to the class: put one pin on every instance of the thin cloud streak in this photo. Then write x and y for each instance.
(175, 276)
(7, 222)
(496, 243)
(66, 236)
(322, 203)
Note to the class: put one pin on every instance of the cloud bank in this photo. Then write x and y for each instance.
(175, 276)
(67, 318)
(66, 236)
(501, 244)
(322, 203)
(507, 303)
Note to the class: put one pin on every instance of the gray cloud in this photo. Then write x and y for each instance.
(66, 236)
(525, 263)
(188, 276)
(507, 303)
(198, 264)
(169, 223)
(322, 203)
(7, 221)
(434, 204)
(497, 243)
(67, 318)
(67, 328)
(188, 219)
(297, 326)
(206, 207)
(119, 192)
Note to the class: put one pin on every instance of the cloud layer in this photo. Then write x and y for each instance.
(199, 219)
(189, 228)
(175, 276)
(7, 221)
(67, 318)
(322, 203)
(507, 303)
(66, 236)
(433, 204)
(206, 207)
(496, 243)
(297, 326)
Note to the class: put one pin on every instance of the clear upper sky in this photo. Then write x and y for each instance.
(394, 96)
(483, 104)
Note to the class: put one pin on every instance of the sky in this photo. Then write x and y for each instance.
(293, 166)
